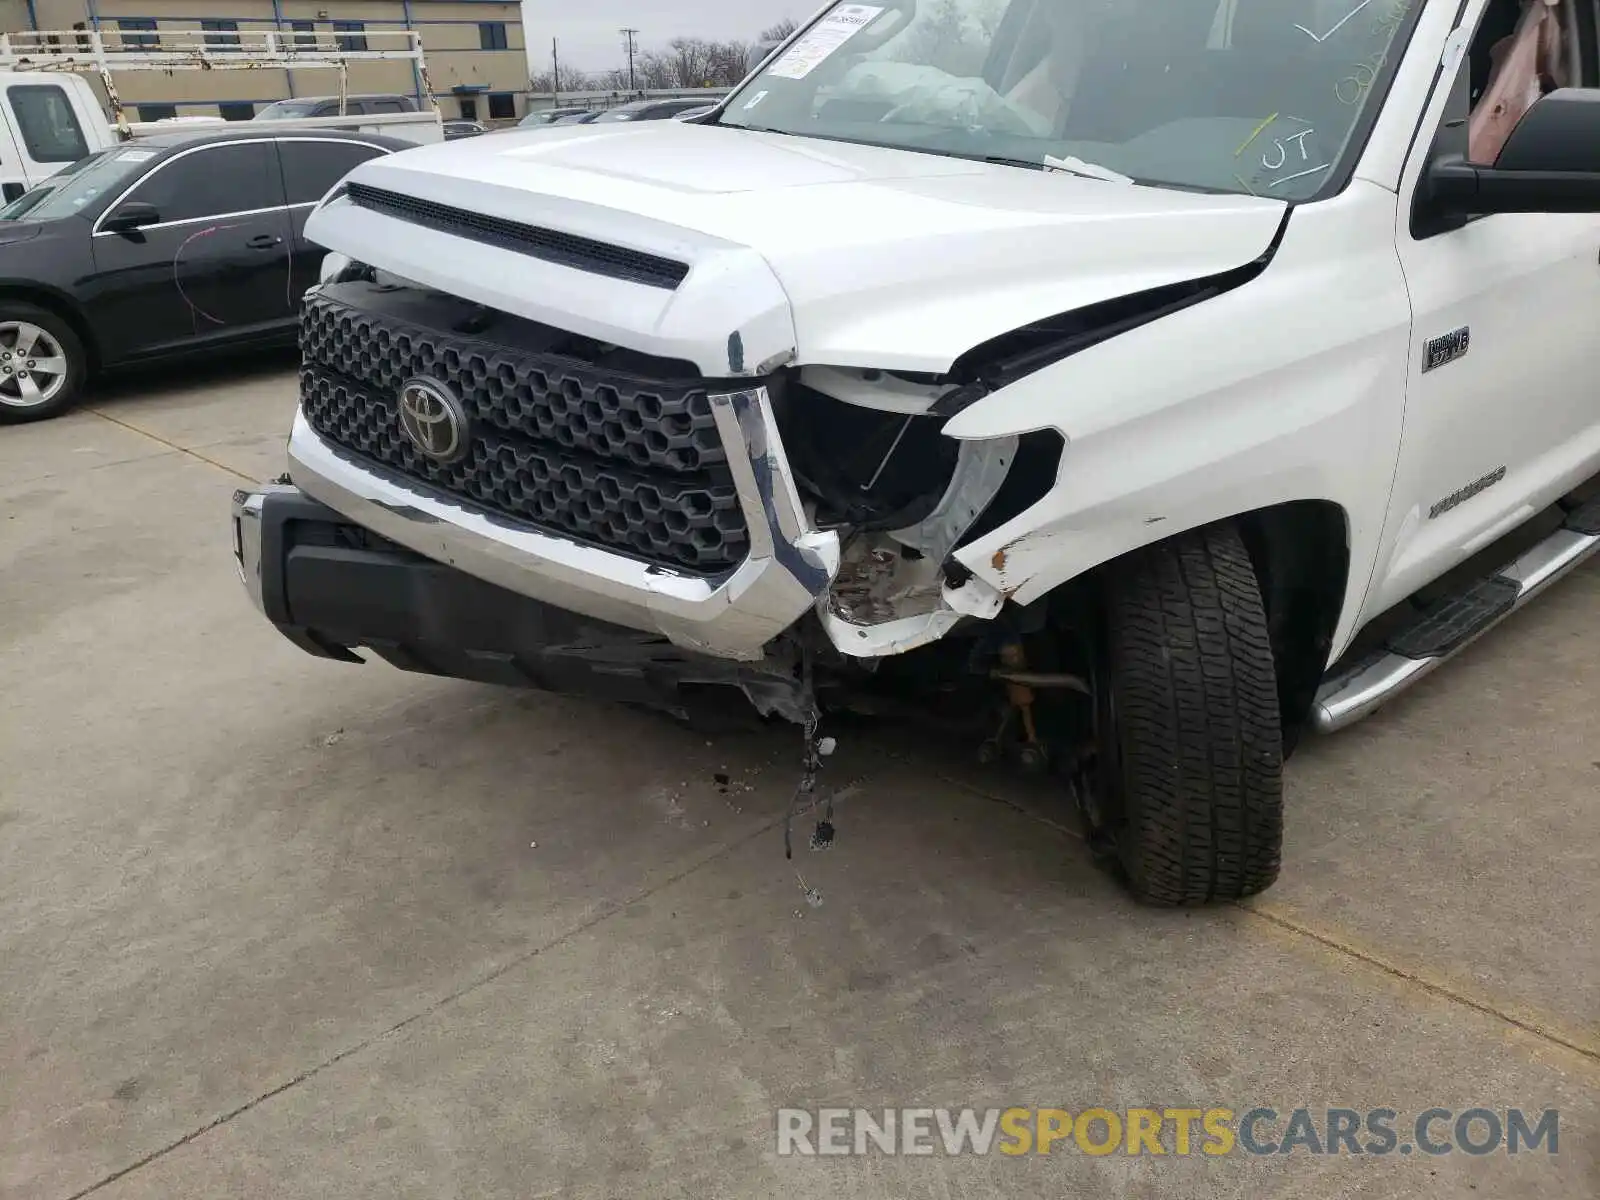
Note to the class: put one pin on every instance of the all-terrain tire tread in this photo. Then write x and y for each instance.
(1199, 730)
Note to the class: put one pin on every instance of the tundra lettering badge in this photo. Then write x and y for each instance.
(433, 420)
(1459, 497)
(1446, 349)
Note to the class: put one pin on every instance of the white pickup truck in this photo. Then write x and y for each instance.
(51, 115)
(1142, 382)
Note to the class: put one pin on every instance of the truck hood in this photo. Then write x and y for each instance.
(887, 258)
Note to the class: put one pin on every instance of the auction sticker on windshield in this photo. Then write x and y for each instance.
(823, 38)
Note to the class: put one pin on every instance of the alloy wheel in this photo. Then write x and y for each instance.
(33, 366)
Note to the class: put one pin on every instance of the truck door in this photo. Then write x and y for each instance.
(1501, 415)
(214, 266)
(46, 132)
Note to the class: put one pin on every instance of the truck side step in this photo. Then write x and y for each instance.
(1585, 519)
(1447, 627)
(1455, 620)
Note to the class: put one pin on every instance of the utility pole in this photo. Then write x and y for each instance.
(630, 34)
(555, 75)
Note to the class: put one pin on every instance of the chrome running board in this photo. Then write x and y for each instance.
(1454, 623)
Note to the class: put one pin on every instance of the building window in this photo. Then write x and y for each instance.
(469, 109)
(501, 106)
(157, 112)
(139, 33)
(305, 33)
(352, 35)
(492, 35)
(238, 111)
(221, 33)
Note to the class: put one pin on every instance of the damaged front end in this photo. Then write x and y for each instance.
(873, 465)
(870, 454)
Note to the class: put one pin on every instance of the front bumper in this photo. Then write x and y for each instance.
(333, 588)
(732, 616)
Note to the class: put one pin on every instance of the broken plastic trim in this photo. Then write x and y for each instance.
(980, 472)
(1004, 360)
(336, 268)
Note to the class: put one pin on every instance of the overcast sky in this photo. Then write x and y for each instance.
(587, 29)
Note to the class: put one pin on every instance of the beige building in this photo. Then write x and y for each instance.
(476, 62)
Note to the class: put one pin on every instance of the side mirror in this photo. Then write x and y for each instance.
(131, 216)
(1549, 164)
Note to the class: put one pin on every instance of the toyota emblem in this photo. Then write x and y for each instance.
(433, 420)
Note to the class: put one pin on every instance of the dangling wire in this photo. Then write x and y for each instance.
(816, 749)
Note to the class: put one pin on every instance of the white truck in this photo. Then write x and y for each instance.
(51, 116)
(1151, 381)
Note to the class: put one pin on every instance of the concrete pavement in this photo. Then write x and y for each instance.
(274, 926)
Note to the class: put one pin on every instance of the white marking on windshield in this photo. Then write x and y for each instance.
(1283, 151)
(1336, 28)
(1299, 175)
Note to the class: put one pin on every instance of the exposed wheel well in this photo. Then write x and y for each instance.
(1301, 553)
(63, 308)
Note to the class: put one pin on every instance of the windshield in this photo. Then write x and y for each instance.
(73, 188)
(285, 110)
(1257, 96)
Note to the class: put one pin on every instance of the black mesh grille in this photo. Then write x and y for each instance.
(622, 463)
(567, 249)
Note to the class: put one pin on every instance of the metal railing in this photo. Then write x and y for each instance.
(541, 101)
(104, 52)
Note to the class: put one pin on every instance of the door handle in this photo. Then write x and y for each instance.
(264, 241)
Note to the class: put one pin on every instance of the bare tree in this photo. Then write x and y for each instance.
(685, 62)
(727, 63)
(779, 31)
(571, 81)
(655, 70)
(691, 61)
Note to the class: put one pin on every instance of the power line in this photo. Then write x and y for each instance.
(630, 34)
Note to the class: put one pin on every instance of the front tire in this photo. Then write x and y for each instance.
(42, 364)
(1193, 781)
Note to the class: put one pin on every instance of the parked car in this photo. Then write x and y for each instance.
(328, 106)
(454, 130)
(649, 110)
(179, 243)
(549, 116)
(583, 118)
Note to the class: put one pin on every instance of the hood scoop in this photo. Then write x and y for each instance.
(551, 245)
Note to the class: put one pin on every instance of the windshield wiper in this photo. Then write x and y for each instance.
(1086, 170)
(1063, 166)
(1070, 165)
